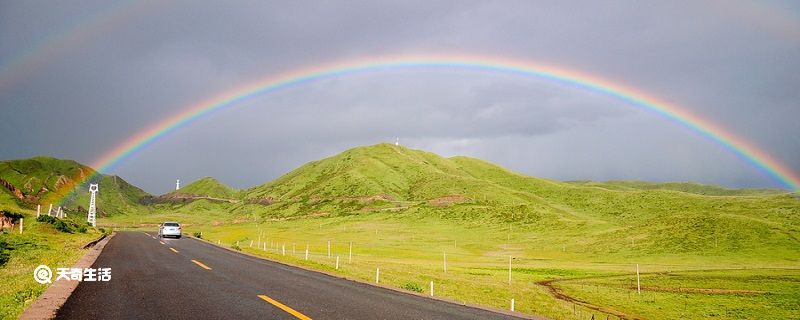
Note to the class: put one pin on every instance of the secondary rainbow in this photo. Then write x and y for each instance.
(740, 147)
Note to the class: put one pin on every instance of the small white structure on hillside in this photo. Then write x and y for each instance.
(177, 184)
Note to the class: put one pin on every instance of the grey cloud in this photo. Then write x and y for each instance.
(732, 64)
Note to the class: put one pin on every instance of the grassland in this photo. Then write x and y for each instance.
(703, 251)
(410, 248)
(40, 243)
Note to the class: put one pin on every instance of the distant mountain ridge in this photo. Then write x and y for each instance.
(206, 188)
(377, 177)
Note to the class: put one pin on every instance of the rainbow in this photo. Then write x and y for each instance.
(190, 114)
(68, 38)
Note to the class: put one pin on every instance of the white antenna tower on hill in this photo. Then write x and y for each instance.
(397, 142)
(177, 184)
(92, 205)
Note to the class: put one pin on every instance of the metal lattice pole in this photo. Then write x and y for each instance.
(93, 188)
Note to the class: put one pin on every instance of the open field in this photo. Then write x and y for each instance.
(410, 251)
(573, 246)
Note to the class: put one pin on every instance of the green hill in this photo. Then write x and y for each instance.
(46, 180)
(209, 187)
(403, 210)
(388, 178)
(391, 173)
(687, 187)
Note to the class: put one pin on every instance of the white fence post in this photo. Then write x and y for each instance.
(431, 288)
(283, 249)
(350, 255)
(329, 248)
(378, 275)
(337, 262)
(21, 220)
(638, 286)
(251, 243)
(306, 251)
(445, 262)
(509, 270)
(38, 210)
(512, 304)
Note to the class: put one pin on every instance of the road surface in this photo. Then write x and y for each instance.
(187, 278)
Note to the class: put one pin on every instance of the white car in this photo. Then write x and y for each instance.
(169, 229)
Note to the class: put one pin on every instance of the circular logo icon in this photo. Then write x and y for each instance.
(42, 274)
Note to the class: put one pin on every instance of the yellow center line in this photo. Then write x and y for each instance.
(284, 307)
(173, 250)
(162, 242)
(201, 264)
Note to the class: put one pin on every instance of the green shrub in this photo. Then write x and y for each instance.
(47, 219)
(82, 229)
(412, 286)
(236, 247)
(62, 226)
(5, 252)
(198, 235)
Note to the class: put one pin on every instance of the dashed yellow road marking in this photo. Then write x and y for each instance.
(201, 264)
(162, 242)
(284, 307)
(173, 250)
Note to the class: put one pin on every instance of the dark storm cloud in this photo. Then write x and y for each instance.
(732, 63)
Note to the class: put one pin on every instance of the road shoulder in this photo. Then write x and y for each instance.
(47, 305)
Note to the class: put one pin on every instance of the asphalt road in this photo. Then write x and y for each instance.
(151, 280)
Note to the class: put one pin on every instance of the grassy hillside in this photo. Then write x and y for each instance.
(45, 180)
(620, 221)
(660, 221)
(704, 251)
(688, 187)
(207, 187)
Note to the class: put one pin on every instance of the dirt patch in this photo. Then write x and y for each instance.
(448, 200)
(562, 296)
(310, 215)
(700, 290)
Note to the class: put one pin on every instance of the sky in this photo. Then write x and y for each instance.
(79, 78)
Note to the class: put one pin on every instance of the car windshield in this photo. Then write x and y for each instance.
(171, 224)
